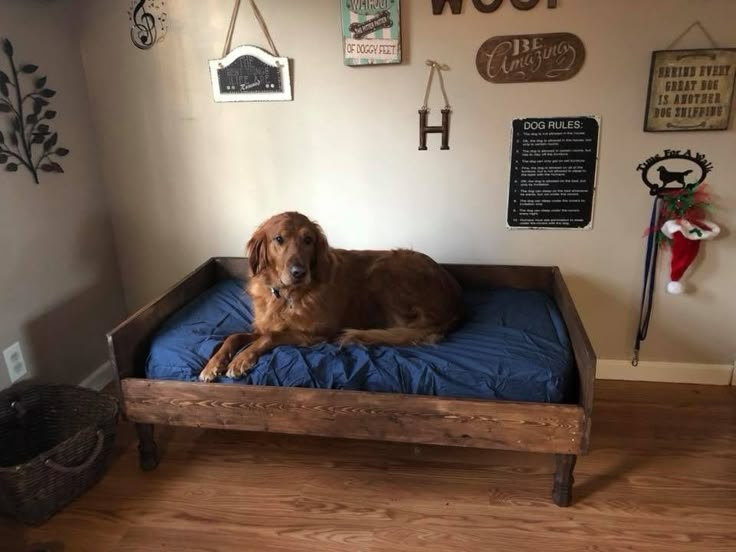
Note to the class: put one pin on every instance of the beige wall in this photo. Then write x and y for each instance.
(189, 178)
(59, 284)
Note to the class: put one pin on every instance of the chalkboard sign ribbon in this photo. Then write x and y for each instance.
(261, 22)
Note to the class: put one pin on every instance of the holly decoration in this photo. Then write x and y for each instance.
(691, 203)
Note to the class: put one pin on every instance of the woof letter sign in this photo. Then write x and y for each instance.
(486, 6)
(530, 58)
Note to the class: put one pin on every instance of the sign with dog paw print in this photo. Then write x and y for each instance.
(371, 31)
(690, 90)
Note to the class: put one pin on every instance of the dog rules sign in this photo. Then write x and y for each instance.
(553, 172)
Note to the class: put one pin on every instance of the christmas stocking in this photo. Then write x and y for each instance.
(686, 237)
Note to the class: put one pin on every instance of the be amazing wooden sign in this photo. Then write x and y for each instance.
(530, 58)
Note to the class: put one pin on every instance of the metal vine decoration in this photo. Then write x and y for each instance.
(29, 143)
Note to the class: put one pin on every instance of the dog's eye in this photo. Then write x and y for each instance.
(279, 240)
(309, 240)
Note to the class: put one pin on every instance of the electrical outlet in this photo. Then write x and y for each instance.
(14, 362)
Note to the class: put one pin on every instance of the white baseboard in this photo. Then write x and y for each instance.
(99, 379)
(666, 372)
(663, 372)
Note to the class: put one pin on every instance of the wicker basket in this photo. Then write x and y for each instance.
(55, 442)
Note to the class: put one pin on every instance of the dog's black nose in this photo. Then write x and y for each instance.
(297, 271)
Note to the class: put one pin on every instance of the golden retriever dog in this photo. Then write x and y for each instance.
(305, 292)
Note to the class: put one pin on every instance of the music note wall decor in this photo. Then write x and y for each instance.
(148, 22)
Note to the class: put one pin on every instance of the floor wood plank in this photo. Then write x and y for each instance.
(661, 476)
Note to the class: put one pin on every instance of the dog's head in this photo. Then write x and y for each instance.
(288, 250)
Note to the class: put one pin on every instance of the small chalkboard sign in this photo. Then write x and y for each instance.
(553, 172)
(250, 74)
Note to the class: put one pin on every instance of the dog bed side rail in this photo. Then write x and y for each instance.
(483, 276)
(421, 419)
(128, 342)
(585, 357)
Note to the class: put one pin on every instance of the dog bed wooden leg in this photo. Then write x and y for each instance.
(563, 482)
(147, 450)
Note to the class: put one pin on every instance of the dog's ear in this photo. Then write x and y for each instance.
(257, 251)
(322, 254)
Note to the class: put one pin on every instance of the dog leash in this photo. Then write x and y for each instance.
(647, 292)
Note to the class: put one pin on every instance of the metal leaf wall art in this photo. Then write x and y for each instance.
(26, 139)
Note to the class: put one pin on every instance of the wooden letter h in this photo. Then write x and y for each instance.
(424, 129)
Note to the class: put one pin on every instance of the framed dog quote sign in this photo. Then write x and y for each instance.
(371, 31)
(690, 90)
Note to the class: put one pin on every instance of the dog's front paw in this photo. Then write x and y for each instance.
(214, 368)
(240, 365)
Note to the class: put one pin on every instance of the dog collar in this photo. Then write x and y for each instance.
(276, 292)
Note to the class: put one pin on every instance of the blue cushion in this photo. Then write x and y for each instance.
(512, 345)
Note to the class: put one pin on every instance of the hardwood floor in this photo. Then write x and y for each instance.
(661, 476)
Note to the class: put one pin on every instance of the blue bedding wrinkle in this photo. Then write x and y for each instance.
(513, 345)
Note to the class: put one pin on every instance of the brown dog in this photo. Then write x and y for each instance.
(304, 292)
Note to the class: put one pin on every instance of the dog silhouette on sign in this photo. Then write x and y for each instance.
(667, 177)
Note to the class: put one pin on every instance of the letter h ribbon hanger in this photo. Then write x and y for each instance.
(443, 129)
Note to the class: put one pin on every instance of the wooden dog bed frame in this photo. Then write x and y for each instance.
(561, 429)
